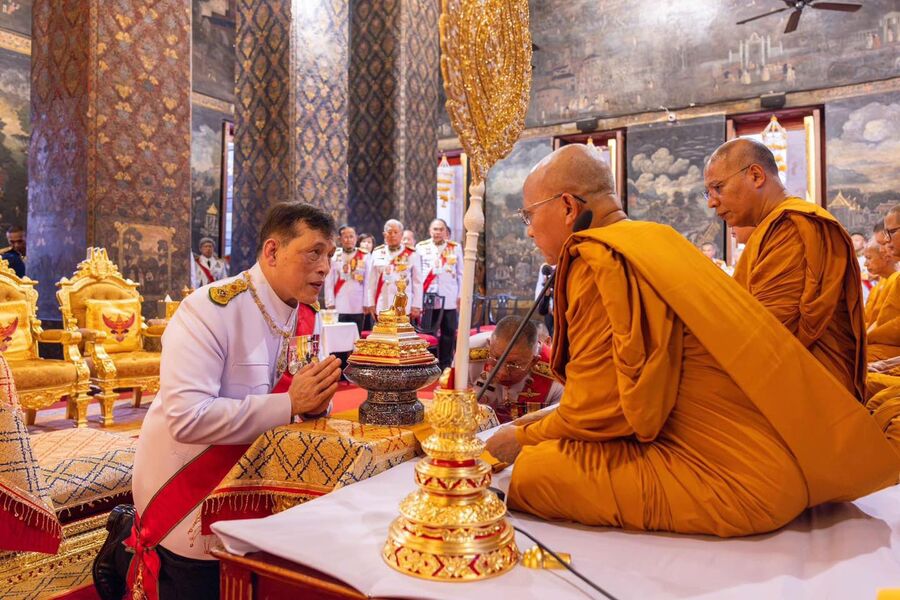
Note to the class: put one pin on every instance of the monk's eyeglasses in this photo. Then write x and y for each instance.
(716, 188)
(526, 213)
(890, 232)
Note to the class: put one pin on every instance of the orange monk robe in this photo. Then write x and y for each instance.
(885, 409)
(876, 297)
(883, 337)
(800, 264)
(687, 406)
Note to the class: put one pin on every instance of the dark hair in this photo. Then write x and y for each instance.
(878, 227)
(281, 219)
(345, 226)
(859, 233)
(507, 327)
(364, 236)
(442, 221)
(15, 229)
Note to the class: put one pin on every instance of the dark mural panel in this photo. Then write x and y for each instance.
(863, 156)
(665, 176)
(206, 174)
(513, 260)
(15, 15)
(619, 56)
(213, 48)
(15, 129)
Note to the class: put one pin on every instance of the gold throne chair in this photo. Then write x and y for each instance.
(40, 381)
(106, 308)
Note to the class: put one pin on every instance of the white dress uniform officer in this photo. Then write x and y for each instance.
(387, 265)
(206, 266)
(345, 289)
(442, 265)
(224, 351)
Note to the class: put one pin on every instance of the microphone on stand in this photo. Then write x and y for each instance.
(544, 307)
(581, 223)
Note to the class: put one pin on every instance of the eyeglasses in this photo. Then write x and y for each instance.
(526, 213)
(717, 187)
(890, 232)
(511, 366)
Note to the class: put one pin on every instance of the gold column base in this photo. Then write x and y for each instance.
(452, 528)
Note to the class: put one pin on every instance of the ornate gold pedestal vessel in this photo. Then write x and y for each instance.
(452, 528)
(391, 364)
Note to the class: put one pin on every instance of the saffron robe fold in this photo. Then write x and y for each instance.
(883, 320)
(800, 264)
(687, 406)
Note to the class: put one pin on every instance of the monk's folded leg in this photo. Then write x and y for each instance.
(649, 487)
(885, 407)
(881, 352)
(877, 382)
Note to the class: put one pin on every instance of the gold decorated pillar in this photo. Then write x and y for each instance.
(109, 161)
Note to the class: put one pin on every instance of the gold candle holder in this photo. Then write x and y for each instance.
(452, 528)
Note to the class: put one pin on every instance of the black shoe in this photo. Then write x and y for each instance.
(110, 568)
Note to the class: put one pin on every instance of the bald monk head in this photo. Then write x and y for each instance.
(879, 262)
(742, 182)
(892, 230)
(569, 181)
(524, 354)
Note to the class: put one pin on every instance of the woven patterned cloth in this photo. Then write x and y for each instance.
(27, 516)
(293, 464)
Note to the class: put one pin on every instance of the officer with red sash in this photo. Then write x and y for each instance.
(388, 264)
(525, 383)
(225, 378)
(345, 289)
(442, 264)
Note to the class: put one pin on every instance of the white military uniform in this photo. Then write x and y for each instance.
(386, 267)
(215, 265)
(446, 263)
(217, 371)
(351, 269)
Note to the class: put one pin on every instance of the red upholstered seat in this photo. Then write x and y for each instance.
(432, 340)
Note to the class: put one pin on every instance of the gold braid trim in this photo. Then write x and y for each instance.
(223, 294)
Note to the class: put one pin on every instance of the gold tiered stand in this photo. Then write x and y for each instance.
(452, 528)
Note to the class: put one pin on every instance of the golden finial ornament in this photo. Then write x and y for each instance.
(453, 528)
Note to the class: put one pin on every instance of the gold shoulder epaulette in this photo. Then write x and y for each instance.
(408, 247)
(378, 248)
(315, 306)
(542, 368)
(223, 294)
(422, 242)
(479, 353)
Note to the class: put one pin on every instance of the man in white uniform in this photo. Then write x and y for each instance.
(207, 267)
(345, 285)
(224, 354)
(442, 264)
(388, 264)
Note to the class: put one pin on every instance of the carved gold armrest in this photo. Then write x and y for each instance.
(91, 336)
(59, 336)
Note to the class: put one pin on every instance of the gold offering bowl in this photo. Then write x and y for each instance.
(452, 528)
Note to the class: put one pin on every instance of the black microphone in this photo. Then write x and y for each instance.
(544, 307)
(581, 223)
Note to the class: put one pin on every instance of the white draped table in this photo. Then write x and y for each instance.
(835, 551)
(337, 337)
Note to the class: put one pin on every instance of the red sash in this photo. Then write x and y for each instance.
(429, 279)
(206, 271)
(340, 282)
(406, 252)
(186, 489)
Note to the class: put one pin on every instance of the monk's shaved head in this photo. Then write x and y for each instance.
(892, 229)
(576, 168)
(742, 151)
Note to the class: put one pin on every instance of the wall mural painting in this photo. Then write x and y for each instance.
(15, 15)
(513, 259)
(206, 174)
(144, 255)
(665, 176)
(15, 129)
(693, 52)
(213, 55)
(863, 152)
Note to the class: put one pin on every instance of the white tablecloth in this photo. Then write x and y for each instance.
(338, 337)
(836, 551)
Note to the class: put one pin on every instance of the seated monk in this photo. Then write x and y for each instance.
(687, 406)
(524, 383)
(883, 306)
(799, 262)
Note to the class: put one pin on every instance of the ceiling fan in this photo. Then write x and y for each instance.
(798, 5)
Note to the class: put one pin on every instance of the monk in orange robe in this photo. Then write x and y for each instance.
(883, 306)
(799, 261)
(687, 407)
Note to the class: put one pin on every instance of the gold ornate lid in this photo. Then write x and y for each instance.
(393, 340)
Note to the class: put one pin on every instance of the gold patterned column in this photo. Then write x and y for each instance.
(290, 112)
(109, 162)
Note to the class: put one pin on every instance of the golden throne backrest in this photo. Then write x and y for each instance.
(14, 290)
(95, 278)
